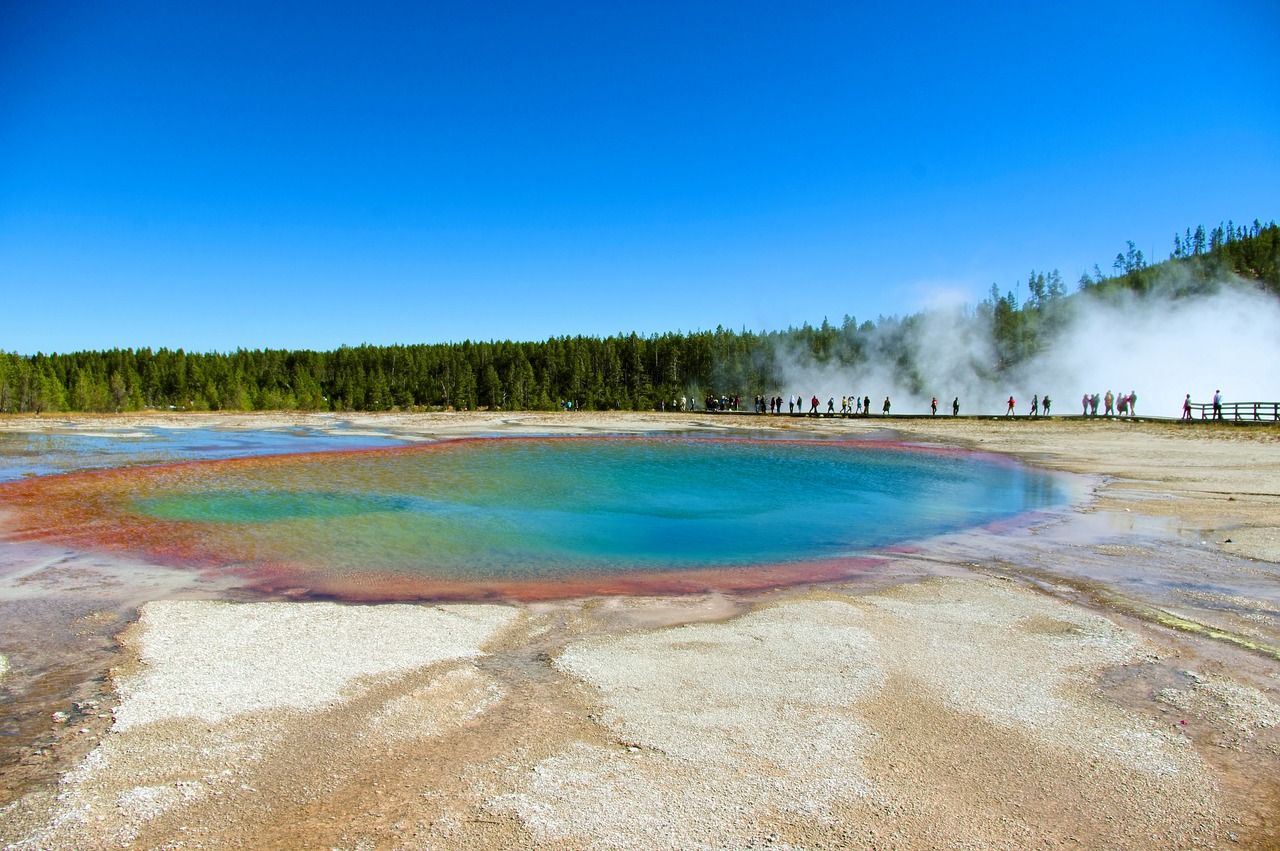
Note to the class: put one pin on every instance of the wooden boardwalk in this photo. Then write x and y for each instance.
(1263, 413)
(1239, 411)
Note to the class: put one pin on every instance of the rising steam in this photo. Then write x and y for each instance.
(1156, 345)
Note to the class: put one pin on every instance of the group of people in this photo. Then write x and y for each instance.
(1036, 404)
(849, 405)
(723, 403)
(1113, 405)
(933, 406)
(1217, 406)
(1125, 406)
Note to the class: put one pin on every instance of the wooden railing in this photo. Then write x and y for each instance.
(1238, 410)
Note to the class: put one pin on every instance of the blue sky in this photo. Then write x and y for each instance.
(306, 175)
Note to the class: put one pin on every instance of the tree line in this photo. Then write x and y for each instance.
(622, 372)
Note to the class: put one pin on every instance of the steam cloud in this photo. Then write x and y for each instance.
(1158, 346)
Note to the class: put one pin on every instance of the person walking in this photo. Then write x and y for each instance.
(955, 407)
(1217, 404)
(1035, 405)
(933, 406)
(1044, 403)
(886, 406)
(1186, 407)
(1010, 412)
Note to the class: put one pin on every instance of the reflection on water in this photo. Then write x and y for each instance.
(45, 454)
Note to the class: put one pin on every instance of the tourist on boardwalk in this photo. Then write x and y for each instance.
(791, 404)
(1110, 399)
(1217, 404)
(859, 406)
(1186, 407)
(813, 406)
(1044, 403)
(1010, 413)
(886, 406)
(866, 406)
(1093, 404)
(1122, 405)
(1133, 403)
(1084, 400)
(1035, 405)
(831, 405)
(933, 406)
(955, 407)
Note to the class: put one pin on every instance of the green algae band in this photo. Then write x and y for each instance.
(506, 512)
(264, 506)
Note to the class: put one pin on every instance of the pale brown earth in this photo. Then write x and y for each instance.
(982, 693)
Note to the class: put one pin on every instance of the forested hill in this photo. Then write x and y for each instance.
(619, 372)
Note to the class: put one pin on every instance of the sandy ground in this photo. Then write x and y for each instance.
(1018, 689)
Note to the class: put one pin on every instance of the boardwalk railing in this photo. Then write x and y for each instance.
(1239, 410)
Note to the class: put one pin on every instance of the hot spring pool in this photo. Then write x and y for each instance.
(532, 517)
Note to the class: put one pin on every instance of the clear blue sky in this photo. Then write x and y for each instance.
(308, 174)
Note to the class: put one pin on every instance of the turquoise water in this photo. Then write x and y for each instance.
(539, 507)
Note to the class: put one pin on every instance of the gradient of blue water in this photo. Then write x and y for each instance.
(540, 507)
